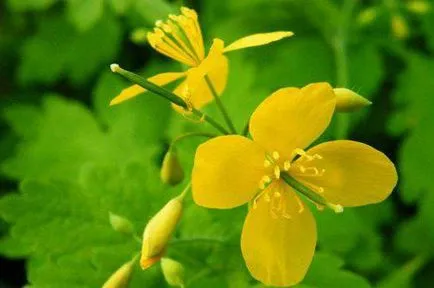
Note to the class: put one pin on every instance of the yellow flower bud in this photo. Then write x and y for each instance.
(349, 101)
(158, 232)
(121, 277)
(399, 27)
(171, 171)
(418, 7)
(120, 224)
(173, 272)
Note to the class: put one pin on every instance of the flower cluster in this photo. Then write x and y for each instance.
(275, 170)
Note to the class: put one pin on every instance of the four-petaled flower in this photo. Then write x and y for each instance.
(279, 233)
(180, 38)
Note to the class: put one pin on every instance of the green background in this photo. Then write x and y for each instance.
(67, 159)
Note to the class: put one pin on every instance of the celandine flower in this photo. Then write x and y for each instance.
(279, 233)
(180, 38)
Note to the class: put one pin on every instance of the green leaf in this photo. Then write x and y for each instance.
(327, 271)
(70, 240)
(85, 13)
(79, 55)
(121, 6)
(30, 5)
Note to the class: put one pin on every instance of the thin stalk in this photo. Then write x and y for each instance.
(313, 196)
(220, 105)
(168, 95)
(339, 47)
(191, 134)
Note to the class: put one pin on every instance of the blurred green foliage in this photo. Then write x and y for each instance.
(76, 159)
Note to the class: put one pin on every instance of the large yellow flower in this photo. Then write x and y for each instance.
(180, 38)
(279, 233)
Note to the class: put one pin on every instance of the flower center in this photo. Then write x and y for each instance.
(278, 168)
(179, 38)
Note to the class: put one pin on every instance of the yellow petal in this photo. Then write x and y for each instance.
(216, 67)
(293, 118)
(134, 90)
(226, 172)
(278, 250)
(355, 173)
(257, 40)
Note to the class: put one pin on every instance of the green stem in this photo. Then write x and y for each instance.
(191, 134)
(210, 120)
(339, 46)
(165, 94)
(246, 128)
(220, 105)
(315, 197)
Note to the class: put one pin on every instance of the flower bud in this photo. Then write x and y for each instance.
(121, 277)
(349, 101)
(171, 171)
(120, 224)
(418, 7)
(173, 272)
(399, 27)
(158, 232)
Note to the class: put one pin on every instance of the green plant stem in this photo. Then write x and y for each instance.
(315, 197)
(139, 80)
(339, 46)
(191, 134)
(220, 105)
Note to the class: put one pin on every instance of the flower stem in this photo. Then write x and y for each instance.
(220, 105)
(137, 79)
(191, 134)
(339, 46)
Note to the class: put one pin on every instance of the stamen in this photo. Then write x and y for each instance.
(267, 163)
(277, 172)
(286, 165)
(266, 179)
(336, 207)
(300, 204)
(276, 155)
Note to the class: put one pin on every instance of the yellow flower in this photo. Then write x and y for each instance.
(180, 38)
(279, 233)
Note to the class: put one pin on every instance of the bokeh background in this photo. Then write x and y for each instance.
(67, 159)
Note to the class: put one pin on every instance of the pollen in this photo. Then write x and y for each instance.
(286, 165)
(276, 155)
(267, 163)
(276, 172)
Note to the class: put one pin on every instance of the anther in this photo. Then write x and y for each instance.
(266, 179)
(267, 163)
(286, 165)
(277, 172)
(158, 23)
(276, 155)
